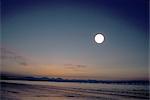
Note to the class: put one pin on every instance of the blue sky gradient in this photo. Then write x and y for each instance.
(58, 32)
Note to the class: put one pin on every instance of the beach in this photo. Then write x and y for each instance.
(24, 90)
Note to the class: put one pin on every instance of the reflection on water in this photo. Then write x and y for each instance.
(82, 85)
(37, 90)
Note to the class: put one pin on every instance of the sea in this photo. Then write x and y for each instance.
(44, 90)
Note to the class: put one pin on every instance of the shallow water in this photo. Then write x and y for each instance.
(37, 90)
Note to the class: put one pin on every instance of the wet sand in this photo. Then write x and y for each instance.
(18, 91)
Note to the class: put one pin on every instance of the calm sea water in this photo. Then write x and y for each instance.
(84, 85)
(119, 91)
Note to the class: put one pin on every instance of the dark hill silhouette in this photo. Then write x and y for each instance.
(31, 78)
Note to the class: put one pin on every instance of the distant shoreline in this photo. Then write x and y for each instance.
(130, 82)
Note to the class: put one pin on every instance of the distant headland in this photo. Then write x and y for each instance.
(31, 78)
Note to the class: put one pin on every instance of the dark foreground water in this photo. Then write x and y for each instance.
(36, 90)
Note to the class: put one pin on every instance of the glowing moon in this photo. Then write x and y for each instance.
(99, 38)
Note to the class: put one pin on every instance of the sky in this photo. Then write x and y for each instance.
(55, 38)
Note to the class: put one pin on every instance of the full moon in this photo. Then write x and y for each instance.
(99, 38)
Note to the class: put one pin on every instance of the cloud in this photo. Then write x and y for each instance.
(76, 67)
(23, 63)
(81, 66)
(10, 56)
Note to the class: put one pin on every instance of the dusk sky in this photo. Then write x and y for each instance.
(55, 38)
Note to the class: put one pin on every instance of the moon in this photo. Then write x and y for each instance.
(99, 38)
